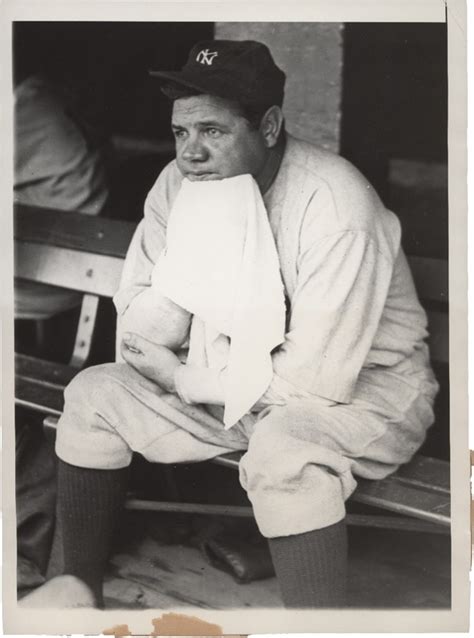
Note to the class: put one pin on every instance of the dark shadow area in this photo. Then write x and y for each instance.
(395, 100)
(394, 129)
(103, 66)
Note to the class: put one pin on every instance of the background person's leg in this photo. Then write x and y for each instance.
(35, 499)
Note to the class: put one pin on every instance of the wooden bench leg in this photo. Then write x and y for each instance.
(40, 335)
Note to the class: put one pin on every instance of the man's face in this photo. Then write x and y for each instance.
(214, 141)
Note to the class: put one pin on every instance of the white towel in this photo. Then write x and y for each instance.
(221, 265)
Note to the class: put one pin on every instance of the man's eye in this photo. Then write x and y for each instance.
(179, 134)
(213, 132)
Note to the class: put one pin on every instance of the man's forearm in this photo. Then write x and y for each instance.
(157, 319)
(196, 384)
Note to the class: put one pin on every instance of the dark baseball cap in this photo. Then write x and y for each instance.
(240, 70)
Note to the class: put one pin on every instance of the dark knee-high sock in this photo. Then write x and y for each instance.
(312, 567)
(89, 505)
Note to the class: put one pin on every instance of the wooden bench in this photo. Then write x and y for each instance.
(86, 254)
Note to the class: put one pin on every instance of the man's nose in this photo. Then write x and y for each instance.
(194, 150)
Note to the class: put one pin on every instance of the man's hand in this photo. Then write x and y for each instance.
(157, 363)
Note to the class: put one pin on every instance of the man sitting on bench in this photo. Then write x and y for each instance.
(351, 391)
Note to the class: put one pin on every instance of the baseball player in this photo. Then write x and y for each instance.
(351, 392)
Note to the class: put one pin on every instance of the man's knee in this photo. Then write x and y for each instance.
(86, 434)
(285, 445)
(266, 453)
(284, 473)
(93, 386)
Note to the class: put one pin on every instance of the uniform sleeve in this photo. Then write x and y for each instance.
(342, 285)
(343, 282)
(138, 307)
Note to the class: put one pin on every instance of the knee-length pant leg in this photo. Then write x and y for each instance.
(112, 411)
(295, 481)
(302, 458)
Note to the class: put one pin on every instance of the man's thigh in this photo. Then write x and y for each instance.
(111, 411)
(303, 458)
(381, 428)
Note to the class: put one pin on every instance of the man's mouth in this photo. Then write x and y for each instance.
(201, 176)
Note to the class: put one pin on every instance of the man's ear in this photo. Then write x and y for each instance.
(271, 125)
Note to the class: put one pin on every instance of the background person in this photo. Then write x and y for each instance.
(57, 165)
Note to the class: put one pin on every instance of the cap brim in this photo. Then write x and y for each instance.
(214, 85)
(183, 79)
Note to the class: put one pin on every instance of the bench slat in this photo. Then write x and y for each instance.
(408, 492)
(58, 374)
(401, 498)
(97, 235)
(86, 272)
(41, 397)
(39, 385)
(429, 472)
(112, 237)
(230, 460)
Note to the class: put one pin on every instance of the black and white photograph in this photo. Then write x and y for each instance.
(233, 254)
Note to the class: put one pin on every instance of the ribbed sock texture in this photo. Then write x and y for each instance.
(312, 567)
(89, 506)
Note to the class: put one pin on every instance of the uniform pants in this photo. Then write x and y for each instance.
(301, 459)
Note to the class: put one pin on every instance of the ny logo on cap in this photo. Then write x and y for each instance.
(206, 57)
